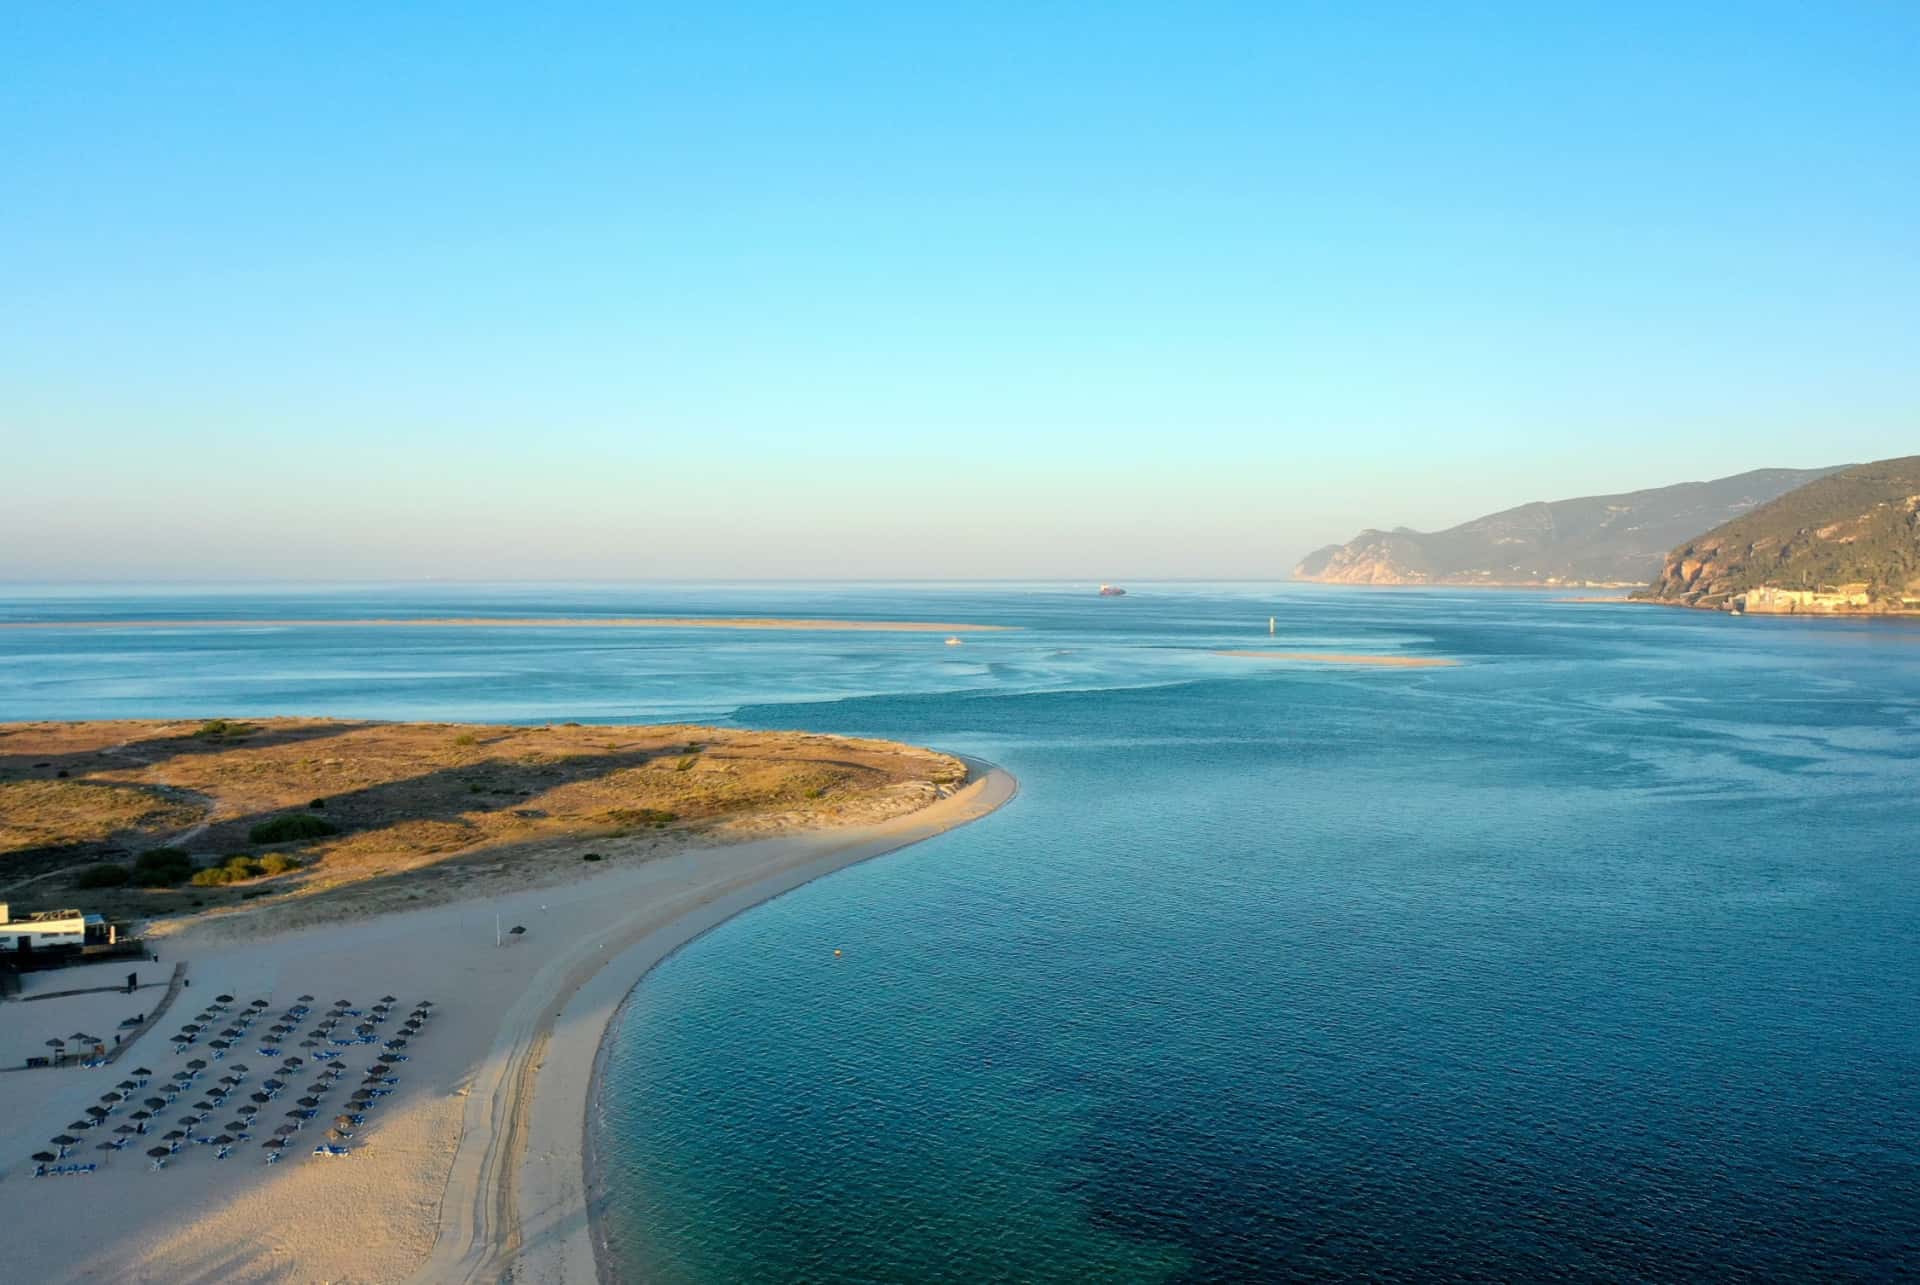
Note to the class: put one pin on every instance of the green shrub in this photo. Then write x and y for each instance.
(161, 868)
(686, 763)
(289, 829)
(212, 877)
(215, 728)
(277, 863)
(466, 738)
(318, 805)
(104, 875)
(640, 816)
(592, 856)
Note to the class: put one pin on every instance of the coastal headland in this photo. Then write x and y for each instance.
(471, 1164)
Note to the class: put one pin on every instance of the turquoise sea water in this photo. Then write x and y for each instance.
(1595, 958)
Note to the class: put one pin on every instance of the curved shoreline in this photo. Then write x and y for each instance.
(524, 1185)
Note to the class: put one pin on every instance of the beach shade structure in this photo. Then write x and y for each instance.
(224, 1140)
(159, 1154)
(260, 1097)
(274, 1144)
(142, 1115)
(230, 1032)
(388, 999)
(308, 1103)
(44, 1157)
(56, 1043)
(190, 1028)
(222, 1045)
(107, 1146)
(235, 1126)
(203, 1106)
(365, 1028)
(142, 1072)
(258, 1003)
(238, 1068)
(318, 1086)
(223, 999)
(112, 1097)
(286, 1130)
(126, 1086)
(273, 1086)
(153, 1104)
(197, 1064)
(343, 1121)
(124, 1129)
(98, 1113)
(249, 1110)
(64, 1141)
(188, 1121)
(310, 1043)
(173, 1135)
(378, 1068)
(306, 999)
(80, 1037)
(288, 1063)
(79, 1126)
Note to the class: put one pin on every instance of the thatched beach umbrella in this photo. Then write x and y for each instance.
(197, 1064)
(309, 1103)
(124, 1129)
(111, 1097)
(203, 1106)
(309, 1044)
(159, 1153)
(306, 999)
(236, 1126)
(64, 1141)
(142, 1115)
(142, 1073)
(98, 1113)
(223, 999)
(274, 1144)
(286, 1131)
(259, 1003)
(153, 1104)
(273, 1086)
(56, 1043)
(224, 1140)
(249, 1110)
(222, 1045)
(238, 1067)
(44, 1157)
(173, 1135)
(106, 1146)
(126, 1086)
(260, 1097)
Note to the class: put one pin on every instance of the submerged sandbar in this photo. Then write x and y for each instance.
(531, 622)
(1346, 658)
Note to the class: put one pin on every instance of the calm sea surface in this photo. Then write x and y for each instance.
(1595, 958)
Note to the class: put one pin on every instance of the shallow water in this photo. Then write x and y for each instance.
(1594, 958)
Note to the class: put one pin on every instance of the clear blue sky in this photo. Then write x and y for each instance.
(902, 290)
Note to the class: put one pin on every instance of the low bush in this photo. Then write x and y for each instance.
(290, 829)
(161, 868)
(215, 728)
(592, 856)
(278, 863)
(104, 875)
(318, 805)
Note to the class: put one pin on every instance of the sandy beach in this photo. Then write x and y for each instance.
(473, 1164)
(1342, 658)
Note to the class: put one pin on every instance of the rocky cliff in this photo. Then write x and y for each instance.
(1590, 541)
(1846, 544)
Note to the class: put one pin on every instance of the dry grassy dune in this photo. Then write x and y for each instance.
(423, 812)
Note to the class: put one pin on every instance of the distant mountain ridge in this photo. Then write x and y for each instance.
(1595, 540)
(1847, 543)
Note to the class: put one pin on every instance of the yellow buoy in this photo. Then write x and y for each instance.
(836, 954)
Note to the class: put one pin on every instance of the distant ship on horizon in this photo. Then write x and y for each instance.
(1112, 591)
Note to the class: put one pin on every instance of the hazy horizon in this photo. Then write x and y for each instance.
(870, 293)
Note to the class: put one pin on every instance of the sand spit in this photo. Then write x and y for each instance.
(533, 622)
(1344, 658)
(473, 1166)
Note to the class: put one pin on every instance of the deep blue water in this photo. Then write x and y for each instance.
(1596, 958)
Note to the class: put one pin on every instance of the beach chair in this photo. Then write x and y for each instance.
(273, 1157)
(223, 1153)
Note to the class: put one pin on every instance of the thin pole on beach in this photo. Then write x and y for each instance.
(496, 932)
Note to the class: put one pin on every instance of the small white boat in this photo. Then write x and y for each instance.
(953, 642)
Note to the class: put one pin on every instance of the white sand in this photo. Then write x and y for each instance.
(474, 1164)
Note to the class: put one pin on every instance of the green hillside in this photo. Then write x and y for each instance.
(1852, 535)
